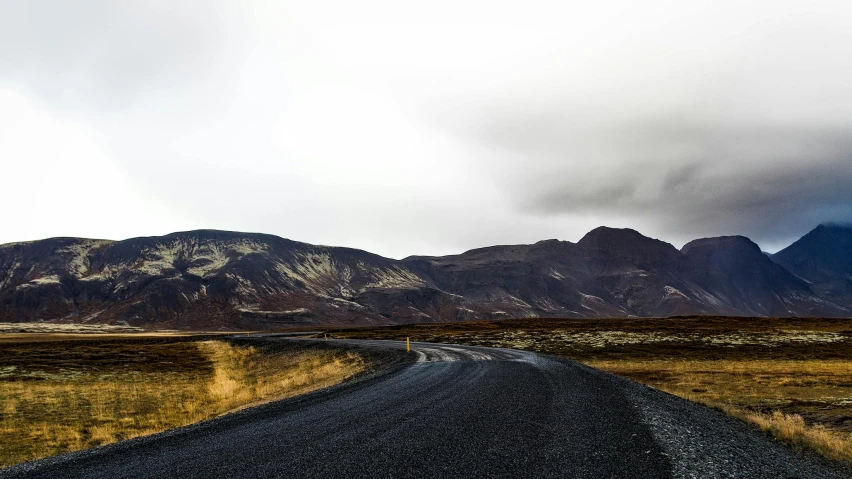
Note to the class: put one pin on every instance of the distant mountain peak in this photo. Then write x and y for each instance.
(723, 242)
(833, 225)
(603, 236)
(823, 254)
(627, 242)
(825, 230)
(608, 231)
(209, 279)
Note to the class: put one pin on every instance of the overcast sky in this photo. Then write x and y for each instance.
(425, 127)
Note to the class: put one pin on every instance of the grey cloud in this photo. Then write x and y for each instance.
(765, 181)
(509, 125)
(105, 54)
(746, 133)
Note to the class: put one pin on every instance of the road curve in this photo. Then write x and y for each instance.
(456, 411)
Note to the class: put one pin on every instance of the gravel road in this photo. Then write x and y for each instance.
(455, 411)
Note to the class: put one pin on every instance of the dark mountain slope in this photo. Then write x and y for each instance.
(647, 276)
(619, 272)
(198, 279)
(823, 257)
(543, 279)
(735, 269)
(216, 279)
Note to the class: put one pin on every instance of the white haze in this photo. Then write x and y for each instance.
(425, 128)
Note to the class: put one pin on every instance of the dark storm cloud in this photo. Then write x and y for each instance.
(684, 178)
(742, 128)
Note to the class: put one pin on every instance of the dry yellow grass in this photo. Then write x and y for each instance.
(792, 429)
(49, 414)
(804, 403)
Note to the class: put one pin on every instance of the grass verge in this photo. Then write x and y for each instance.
(804, 404)
(64, 396)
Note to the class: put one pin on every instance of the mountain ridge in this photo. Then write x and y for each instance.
(214, 279)
(823, 258)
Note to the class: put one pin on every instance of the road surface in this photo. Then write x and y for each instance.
(455, 411)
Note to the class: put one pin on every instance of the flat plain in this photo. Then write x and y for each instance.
(60, 393)
(790, 377)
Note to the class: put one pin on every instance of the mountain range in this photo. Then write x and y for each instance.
(210, 279)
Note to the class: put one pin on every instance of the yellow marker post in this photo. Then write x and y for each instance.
(248, 333)
(407, 345)
(326, 337)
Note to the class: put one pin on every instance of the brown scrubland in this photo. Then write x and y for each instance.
(792, 378)
(60, 396)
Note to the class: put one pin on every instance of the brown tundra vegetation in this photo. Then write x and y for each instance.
(61, 396)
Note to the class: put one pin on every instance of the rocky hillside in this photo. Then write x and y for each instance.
(619, 272)
(205, 279)
(823, 258)
(220, 280)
